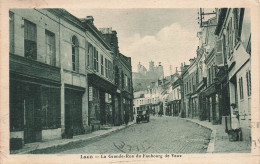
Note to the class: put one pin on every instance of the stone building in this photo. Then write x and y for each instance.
(174, 98)
(123, 78)
(189, 77)
(62, 80)
(234, 37)
(35, 78)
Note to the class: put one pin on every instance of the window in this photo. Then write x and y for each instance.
(106, 66)
(190, 85)
(209, 76)
(11, 32)
(212, 73)
(187, 89)
(90, 55)
(30, 40)
(126, 82)
(122, 79)
(75, 54)
(117, 76)
(102, 64)
(109, 69)
(230, 38)
(129, 86)
(236, 13)
(241, 88)
(95, 59)
(50, 57)
(192, 82)
(87, 46)
(248, 79)
(50, 108)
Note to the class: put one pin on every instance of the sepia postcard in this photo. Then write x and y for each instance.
(129, 81)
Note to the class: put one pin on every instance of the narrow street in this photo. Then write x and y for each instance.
(160, 135)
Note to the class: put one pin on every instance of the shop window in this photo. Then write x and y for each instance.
(75, 54)
(17, 105)
(241, 88)
(30, 40)
(11, 32)
(102, 64)
(50, 57)
(50, 108)
(248, 79)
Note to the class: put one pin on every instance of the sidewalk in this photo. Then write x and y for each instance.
(31, 147)
(219, 142)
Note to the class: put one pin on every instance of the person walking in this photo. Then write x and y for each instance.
(126, 117)
(235, 132)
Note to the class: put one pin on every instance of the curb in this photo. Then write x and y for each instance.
(211, 146)
(74, 142)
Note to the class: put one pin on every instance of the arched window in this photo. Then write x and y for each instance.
(75, 54)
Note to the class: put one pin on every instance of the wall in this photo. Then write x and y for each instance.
(244, 105)
(43, 22)
(51, 134)
(101, 50)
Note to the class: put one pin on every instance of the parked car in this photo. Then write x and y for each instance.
(142, 115)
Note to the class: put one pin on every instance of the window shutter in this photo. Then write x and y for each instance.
(219, 53)
(231, 36)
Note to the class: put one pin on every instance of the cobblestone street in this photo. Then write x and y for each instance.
(160, 135)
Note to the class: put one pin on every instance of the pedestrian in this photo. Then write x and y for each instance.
(235, 132)
(126, 117)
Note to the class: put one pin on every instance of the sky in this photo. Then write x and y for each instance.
(168, 36)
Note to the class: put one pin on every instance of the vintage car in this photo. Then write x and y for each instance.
(142, 115)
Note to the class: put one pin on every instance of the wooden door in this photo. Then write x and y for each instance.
(29, 132)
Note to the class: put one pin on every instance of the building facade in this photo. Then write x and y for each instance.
(123, 78)
(234, 35)
(189, 88)
(62, 80)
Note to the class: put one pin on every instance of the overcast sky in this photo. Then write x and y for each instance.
(162, 35)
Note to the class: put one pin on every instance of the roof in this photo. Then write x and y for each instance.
(80, 23)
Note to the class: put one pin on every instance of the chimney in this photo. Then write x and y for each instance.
(191, 60)
(90, 19)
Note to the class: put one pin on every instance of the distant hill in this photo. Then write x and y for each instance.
(140, 81)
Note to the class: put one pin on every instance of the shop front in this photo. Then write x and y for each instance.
(73, 110)
(213, 104)
(34, 100)
(101, 102)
